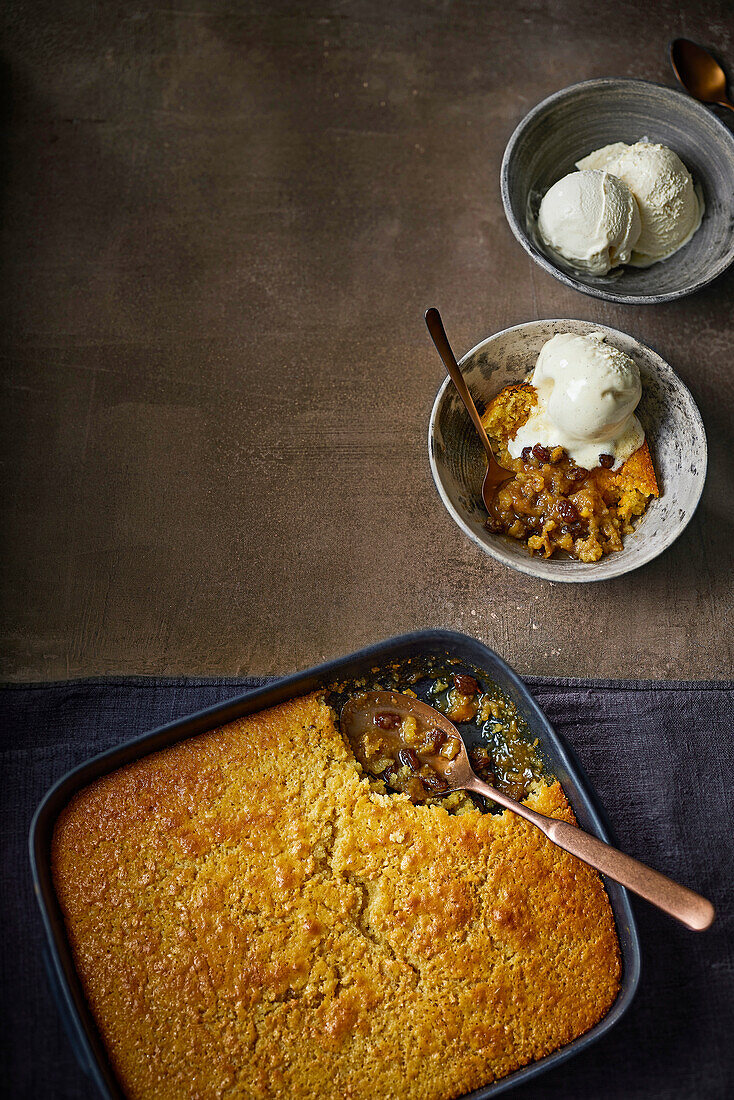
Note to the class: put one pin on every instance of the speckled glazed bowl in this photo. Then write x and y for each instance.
(571, 123)
(668, 413)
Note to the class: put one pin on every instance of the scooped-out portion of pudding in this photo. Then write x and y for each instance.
(582, 466)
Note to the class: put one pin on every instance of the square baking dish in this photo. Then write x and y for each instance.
(560, 759)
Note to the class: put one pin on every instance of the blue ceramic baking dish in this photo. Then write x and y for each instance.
(560, 760)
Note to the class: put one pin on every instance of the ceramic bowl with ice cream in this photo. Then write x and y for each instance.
(623, 189)
(583, 473)
(600, 392)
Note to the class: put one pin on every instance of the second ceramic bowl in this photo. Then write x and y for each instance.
(584, 117)
(668, 413)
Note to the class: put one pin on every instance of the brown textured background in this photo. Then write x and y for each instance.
(221, 224)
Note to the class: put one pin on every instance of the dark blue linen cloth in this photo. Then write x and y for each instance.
(660, 757)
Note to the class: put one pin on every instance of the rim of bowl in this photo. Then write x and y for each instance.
(539, 257)
(529, 567)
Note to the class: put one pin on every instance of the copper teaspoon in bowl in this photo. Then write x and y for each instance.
(357, 719)
(496, 475)
(699, 73)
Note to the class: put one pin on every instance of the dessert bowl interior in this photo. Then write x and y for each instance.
(568, 125)
(668, 414)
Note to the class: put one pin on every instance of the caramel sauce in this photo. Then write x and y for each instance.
(553, 504)
(413, 759)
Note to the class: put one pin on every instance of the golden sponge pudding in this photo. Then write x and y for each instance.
(250, 917)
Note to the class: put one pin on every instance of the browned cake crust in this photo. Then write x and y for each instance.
(638, 473)
(250, 918)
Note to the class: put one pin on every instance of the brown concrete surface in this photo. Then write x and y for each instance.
(221, 225)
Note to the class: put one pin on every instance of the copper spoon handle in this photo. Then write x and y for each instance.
(678, 901)
(443, 347)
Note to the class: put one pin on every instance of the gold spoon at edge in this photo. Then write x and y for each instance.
(496, 475)
(700, 74)
(692, 910)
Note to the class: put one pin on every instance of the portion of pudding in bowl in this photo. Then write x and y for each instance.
(582, 467)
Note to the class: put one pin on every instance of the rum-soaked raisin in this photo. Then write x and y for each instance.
(465, 685)
(387, 721)
(606, 461)
(434, 782)
(408, 758)
(541, 453)
(389, 774)
(567, 510)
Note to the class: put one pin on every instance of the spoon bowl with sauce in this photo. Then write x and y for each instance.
(389, 729)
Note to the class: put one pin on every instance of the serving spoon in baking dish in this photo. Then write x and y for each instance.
(496, 475)
(358, 718)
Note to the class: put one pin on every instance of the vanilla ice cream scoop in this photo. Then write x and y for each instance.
(587, 393)
(590, 220)
(670, 208)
